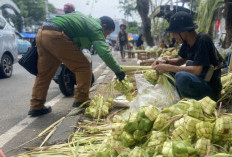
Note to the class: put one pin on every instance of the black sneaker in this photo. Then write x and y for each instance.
(44, 110)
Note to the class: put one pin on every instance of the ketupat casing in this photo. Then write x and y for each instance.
(167, 149)
(157, 138)
(223, 125)
(180, 133)
(208, 105)
(183, 149)
(204, 130)
(202, 145)
(127, 139)
(161, 121)
(195, 110)
(151, 112)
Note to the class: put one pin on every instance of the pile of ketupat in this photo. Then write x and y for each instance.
(226, 96)
(98, 107)
(187, 128)
(159, 52)
(169, 53)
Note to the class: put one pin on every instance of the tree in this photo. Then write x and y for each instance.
(228, 18)
(33, 11)
(51, 8)
(132, 27)
(205, 14)
(143, 9)
(128, 6)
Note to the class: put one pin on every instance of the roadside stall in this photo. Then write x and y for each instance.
(152, 120)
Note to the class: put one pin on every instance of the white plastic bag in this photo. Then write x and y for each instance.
(148, 94)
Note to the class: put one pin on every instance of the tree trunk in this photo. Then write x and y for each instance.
(143, 9)
(228, 17)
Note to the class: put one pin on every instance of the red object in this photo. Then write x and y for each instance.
(69, 8)
(217, 25)
(1, 153)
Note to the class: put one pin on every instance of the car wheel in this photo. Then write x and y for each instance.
(6, 66)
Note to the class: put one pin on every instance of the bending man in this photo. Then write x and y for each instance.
(60, 41)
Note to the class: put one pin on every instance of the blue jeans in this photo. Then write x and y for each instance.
(192, 86)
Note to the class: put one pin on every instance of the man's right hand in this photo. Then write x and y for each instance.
(120, 76)
(156, 62)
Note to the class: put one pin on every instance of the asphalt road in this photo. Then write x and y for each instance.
(16, 128)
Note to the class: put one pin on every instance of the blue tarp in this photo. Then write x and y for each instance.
(28, 35)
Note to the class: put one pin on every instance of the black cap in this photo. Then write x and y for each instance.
(181, 22)
(123, 25)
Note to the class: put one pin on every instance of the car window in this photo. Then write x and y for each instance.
(2, 23)
(18, 36)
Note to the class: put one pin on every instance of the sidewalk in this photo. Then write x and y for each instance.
(67, 127)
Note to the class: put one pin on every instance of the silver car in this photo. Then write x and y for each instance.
(8, 48)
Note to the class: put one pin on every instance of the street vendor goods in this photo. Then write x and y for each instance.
(166, 133)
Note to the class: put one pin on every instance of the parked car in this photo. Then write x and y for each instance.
(8, 48)
(22, 44)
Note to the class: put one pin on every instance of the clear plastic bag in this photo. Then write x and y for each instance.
(157, 95)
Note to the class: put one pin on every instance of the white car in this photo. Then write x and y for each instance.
(8, 48)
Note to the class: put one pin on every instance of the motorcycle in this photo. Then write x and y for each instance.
(67, 80)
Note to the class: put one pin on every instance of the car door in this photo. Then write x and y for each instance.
(7, 37)
(8, 48)
(2, 34)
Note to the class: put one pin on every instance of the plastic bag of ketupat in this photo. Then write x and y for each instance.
(157, 95)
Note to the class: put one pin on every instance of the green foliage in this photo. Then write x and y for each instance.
(132, 27)
(51, 8)
(205, 13)
(128, 6)
(159, 26)
(33, 11)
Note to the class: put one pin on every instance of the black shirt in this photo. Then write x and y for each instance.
(122, 38)
(203, 53)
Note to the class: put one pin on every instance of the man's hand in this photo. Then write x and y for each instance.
(121, 75)
(161, 68)
(157, 62)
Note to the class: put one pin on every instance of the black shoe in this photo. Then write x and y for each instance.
(44, 110)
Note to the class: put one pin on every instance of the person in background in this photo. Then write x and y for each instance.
(60, 40)
(201, 75)
(139, 42)
(69, 8)
(162, 44)
(122, 40)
